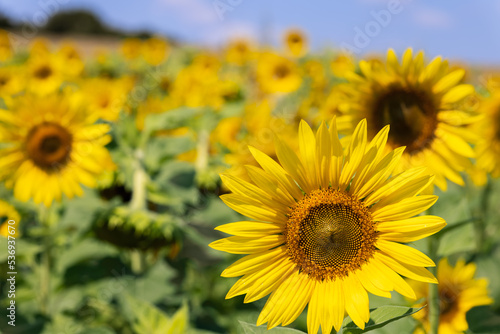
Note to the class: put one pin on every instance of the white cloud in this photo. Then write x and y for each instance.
(432, 18)
(193, 11)
(220, 34)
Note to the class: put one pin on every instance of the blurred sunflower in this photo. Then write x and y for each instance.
(342, 64)
(277, 74)
(11, 82)
(5, 46)
(155, 50)
(458, 293)
(296, 42)
(70, 56)
(106, 97)
(329, 223)
(44, 74)
(7, 212)
(52, 146)
(488, 147)
(424, 106)
(238, 52)
(131, 48)
(255, 128)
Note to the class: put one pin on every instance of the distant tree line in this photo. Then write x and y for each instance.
(81, 22)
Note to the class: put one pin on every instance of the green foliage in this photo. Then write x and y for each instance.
(379, 318)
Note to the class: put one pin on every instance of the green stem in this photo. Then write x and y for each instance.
(46, 261)
(137, 261)
(479, 225)
(138, 201)
(202, 149)
(434, 303)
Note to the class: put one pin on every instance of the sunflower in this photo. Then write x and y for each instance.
(424, 106)
(238, 52)
(155, 50)
(51, 147)
(458, 293)
(131, 48)
(277, 74)
(69, 55)
(7, 212)
(10, 82)
(45, 74)
(488, 148)
(329, 223)
(5, 46)
(342, 64)
(296, 42)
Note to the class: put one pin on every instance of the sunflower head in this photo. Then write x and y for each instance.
(488, 146)
(5, 46)
(427, 107)
(342, 64)
(277, 74)
(239, 52)
(458, 290)
(8, 217)
(329, 226)
(296, 42)
(155, 50)
(51, 147)
(131, 48)
(45, 74)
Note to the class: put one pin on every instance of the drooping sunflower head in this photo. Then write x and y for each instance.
(425, 106)
(458, 290)
(52, 146)
(296, 42)
(329, 223)
(277, 74)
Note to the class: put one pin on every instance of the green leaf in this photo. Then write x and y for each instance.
(252, 329)
(147, 318)
(179, 321)
(171, 119)
(379, 317)
(483, 320)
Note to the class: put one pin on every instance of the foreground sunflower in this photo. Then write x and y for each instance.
(424, 106)
(329, 223)
(51, 147)
(458, 293)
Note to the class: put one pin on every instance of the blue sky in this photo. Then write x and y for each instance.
(460, 30)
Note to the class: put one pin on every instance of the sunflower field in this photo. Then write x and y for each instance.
(170, 188)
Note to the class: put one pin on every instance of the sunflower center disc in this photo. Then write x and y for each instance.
(281, 71)
(49, 146)
(43, 72)
(412, 116)
(330, 234)
(447, 300)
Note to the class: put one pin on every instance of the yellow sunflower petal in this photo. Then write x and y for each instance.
(404, 253)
